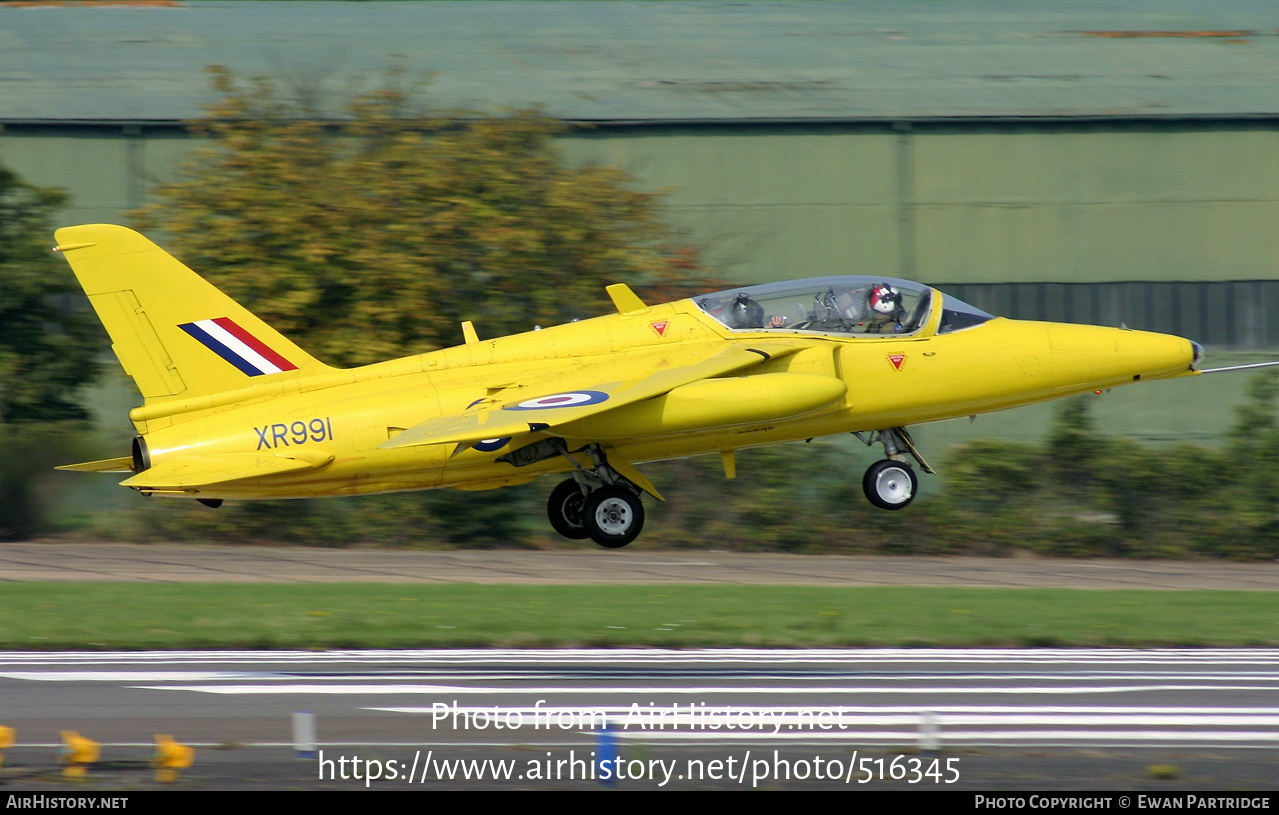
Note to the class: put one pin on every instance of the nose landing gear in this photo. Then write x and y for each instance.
(892, 483)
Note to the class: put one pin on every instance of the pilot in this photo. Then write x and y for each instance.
(885, 307)
(745, 313)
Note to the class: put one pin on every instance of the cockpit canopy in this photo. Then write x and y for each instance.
(838, 305)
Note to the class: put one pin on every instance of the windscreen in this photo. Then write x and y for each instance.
(830, 305)
(957, 315)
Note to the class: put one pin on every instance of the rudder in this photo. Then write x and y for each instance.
(175, 333)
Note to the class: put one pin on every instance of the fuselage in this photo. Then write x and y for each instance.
(827, 381)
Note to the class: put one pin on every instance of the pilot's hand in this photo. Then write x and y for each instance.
(777, 322)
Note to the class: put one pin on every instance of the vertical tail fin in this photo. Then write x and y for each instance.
(173, 331)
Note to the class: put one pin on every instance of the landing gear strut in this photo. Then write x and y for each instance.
(597, 503)
(892, 483)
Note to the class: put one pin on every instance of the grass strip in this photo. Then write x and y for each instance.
(354, 615)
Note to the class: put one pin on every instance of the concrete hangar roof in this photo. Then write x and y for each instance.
(698, 61)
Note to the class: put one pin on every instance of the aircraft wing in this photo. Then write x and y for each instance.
(577, 400)
(216, 468)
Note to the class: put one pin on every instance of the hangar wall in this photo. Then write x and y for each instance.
(976, 203)
(107, 170)
(1165, 225)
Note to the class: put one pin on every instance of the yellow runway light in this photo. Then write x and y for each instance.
(6, 741)
(169, 758)
(78, 753)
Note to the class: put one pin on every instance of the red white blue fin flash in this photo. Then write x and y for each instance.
(228, 340)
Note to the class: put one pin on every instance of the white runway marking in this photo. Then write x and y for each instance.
(661, 690)
(991, 738)
(840, 717)
(123, 676)
(940, 689)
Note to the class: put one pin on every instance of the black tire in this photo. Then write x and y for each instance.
(614, 516)
(890, 484)
(565, 508)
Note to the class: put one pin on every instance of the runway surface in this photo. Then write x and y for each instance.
(75, 562)
(804, 719)
(936, 719)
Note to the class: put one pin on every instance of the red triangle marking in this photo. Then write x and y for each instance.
(660, 328)
(897, 360)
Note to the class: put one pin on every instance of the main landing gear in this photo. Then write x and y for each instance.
(599, 504)
(892, 483)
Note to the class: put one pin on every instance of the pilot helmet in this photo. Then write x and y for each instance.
(884, 299)
(746, 313)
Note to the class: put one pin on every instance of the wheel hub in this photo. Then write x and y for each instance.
(572, 509)
(893, 486)
(613, 516)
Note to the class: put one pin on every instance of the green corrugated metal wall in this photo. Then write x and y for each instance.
(1098, 206)
(991, 203)
(107, 171)
(769, 203)
(964, 205)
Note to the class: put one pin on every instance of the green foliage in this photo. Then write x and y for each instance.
(48, 339)
(371, 235)
(1256, 422)
(1072, 443)
(47, 335)
(426, 520)
(992, 473)
(484, 520)
(1254, 443)
(28, 454)
(1112, 497)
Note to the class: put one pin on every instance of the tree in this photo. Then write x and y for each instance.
(48, 336)
(1254, 462)
(48, 339)
(373, 234)
(1072, 444)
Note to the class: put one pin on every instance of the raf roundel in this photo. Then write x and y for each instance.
(561, 400)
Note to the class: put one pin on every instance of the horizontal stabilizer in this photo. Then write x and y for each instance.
(527, 415)
(190, 472)
(123, 464)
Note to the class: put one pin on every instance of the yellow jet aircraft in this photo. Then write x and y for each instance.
(233, 410)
